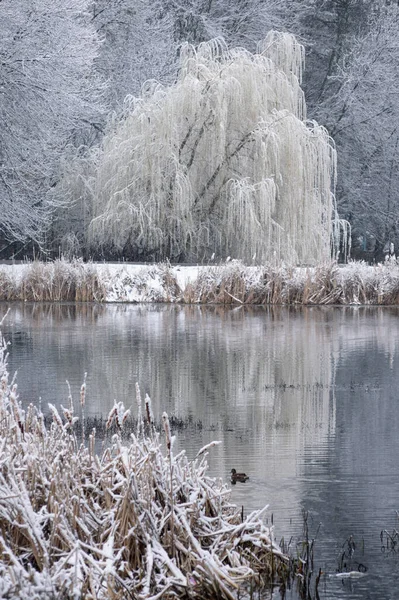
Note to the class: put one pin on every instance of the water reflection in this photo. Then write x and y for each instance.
(304, 400)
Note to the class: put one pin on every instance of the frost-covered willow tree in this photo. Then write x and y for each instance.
(221, 162)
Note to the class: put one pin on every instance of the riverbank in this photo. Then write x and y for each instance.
(135, 521)
(227, 283)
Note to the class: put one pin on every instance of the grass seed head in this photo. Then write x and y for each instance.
(83, 391)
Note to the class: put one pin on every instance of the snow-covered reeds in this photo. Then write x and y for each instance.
(52, 281)
(328, 284)
(7, 286)
(135, 521)
(229, 283)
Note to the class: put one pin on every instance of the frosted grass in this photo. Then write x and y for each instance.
(51, 282)
(229, 283)
(135, 521)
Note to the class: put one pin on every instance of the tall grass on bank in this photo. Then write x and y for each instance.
(328, 284)
(54, 282)
(133, 522)
(231, 283)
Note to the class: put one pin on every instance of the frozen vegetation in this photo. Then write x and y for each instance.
(136, 117)
(133, 521)
(231, 282)
(223, 161)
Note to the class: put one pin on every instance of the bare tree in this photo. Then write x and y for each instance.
(362, 115)
(141, 39)
(137, 44)
(47, 94)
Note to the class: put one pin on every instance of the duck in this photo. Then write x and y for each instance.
(242, 477)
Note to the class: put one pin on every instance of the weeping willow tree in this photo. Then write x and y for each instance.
(222, 162)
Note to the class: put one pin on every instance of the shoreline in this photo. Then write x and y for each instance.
(230, 283)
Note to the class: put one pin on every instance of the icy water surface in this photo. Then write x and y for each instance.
(306, 401)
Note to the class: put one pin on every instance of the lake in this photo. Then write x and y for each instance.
(305, 401)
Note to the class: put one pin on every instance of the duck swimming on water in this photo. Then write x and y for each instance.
(242, 477)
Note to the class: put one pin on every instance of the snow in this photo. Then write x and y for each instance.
(230, 282)
(146, 283)
(134, 520)
(141, 283)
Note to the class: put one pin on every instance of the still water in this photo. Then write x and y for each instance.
(305, 401)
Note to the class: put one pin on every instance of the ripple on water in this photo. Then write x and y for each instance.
(304, 401)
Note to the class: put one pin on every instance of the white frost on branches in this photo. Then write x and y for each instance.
(47, 93)
(223, 161)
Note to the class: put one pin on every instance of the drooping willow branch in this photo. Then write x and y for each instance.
(221, 162)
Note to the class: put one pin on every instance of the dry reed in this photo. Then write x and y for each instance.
(53, 282)
(133, 522)
(329, 284)
(231, 283)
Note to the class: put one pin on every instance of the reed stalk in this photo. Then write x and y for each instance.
(231, 283)
(134, 521)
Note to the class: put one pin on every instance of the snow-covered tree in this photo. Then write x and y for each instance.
(47, 96)
(327, 28)
(223, 162)
(240, 22)
(137, 44)
(141, 39)
(361, 113)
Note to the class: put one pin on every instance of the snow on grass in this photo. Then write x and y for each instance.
(54, 281)
(229, 283)
(133, 522)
